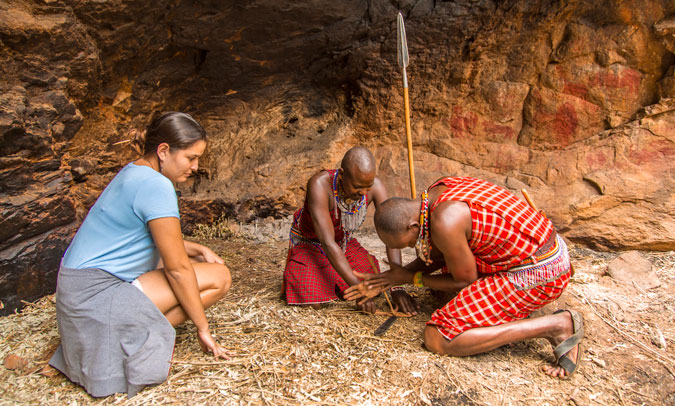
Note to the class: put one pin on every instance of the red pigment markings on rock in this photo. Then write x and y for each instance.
(498, 132)
(461, 122)
(627, 78)
(576, 89)
(565, 124)
(653, 152)
(596, 160)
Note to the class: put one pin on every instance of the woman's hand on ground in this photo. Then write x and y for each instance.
(209, 345)
(211, 257)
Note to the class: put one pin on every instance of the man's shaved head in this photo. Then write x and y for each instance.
(358, 160)
(392, 216)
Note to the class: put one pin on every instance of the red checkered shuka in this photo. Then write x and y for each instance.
(309, 277)
(505, 230)
(495, 299)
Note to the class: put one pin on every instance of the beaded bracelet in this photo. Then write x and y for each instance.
(417, 280)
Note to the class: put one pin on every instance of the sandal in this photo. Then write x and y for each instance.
(562, 360)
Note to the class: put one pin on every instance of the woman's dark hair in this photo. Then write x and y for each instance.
(177, 129)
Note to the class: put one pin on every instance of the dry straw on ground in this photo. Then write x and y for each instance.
(291, 356)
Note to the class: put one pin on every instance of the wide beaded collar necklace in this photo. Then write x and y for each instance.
(352, 214)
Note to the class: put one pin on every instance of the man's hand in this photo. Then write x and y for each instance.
(397, 275)
(403, 302)
(359, 291)
(367, 306)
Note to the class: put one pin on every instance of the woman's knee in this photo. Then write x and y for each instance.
(213, 278)
(223, 279)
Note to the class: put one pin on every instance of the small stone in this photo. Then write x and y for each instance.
(599, 362)
(633, 268)
(79, 174)
(67, 177)
(658, 339)
(13, 361)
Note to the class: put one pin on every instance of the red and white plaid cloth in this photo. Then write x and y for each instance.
(505, 234)
(309, 277)
(501, 298)
(505, 230)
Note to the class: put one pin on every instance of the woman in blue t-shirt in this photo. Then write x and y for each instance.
(128, 277)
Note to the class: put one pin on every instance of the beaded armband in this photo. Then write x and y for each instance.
(417, 280)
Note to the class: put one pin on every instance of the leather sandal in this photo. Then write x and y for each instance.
(570, 342)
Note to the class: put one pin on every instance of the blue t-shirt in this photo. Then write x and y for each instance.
(115, 236)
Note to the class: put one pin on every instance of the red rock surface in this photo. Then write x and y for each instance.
(573, 100)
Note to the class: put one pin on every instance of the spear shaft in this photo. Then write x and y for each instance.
(403, 59)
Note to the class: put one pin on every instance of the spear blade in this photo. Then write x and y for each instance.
(401, 42)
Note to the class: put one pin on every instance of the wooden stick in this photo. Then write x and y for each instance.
(528, 198)
(372, 265)
(411, 167)
(391, 307)
(403, 60)
(393, 312)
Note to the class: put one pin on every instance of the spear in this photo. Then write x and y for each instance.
(403, 59)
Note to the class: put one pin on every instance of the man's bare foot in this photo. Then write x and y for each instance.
(565, 330)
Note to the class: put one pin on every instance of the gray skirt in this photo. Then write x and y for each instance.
(113, 338)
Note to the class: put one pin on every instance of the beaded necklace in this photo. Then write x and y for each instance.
(352, 214)
(423, 244)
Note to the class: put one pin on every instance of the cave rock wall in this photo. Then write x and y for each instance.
(573, 100)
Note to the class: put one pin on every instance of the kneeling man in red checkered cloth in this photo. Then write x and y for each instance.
(501, 257)
(323, 255)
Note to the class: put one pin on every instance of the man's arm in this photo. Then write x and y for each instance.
(378, 194)
(450, 232)
(373, 285)
(318, 194)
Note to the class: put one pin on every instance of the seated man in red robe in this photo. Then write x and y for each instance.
(501, 258)
(323, 255)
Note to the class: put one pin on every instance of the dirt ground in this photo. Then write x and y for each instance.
(291, 356)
